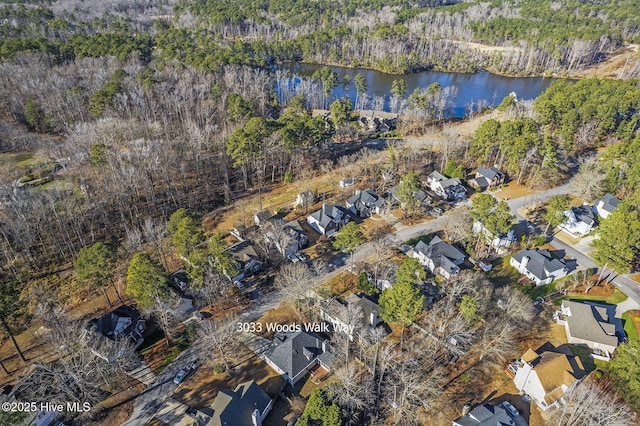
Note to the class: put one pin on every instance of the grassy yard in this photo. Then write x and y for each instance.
(613, 299)
(631, 324)
(585, 357)
(425, 238)
(503, 274)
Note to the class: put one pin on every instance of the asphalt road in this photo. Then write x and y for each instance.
(148, 403)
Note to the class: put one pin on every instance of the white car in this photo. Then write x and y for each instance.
(510, 409)
(179, 377)
(293, 258)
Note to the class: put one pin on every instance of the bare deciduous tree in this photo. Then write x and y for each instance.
(221, 337)
(294, 279)
(590, 404)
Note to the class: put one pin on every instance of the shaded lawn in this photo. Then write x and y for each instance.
(283, 314)
(341, 285)
(503, 274)
(585, 357)
(613, 299)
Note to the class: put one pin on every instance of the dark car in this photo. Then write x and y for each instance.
(622, 336)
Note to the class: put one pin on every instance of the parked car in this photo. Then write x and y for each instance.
(293, 257)
(302, 257)
(622, 336)
(526, 398)
(191, 412)
(437, 211)
(510, 409)
(179, 377)
(539, 301)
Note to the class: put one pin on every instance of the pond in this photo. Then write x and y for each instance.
(470, 90)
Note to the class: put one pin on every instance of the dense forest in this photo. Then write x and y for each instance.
(532, 37)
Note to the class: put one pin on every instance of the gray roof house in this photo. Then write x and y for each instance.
(590, 324)
(539, 265)
(122, 324)
(439, 257)
(328, 219)
(487, 177)
(365, 203)
(580, 221)
(247, 260)
(419, 195)
(247, 405)
(485, 415)
(448, 188)
(295, 239)
(337, 313)
(294, 354)
(262, 216)
(606, 205)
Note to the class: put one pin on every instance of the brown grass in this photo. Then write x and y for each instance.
(513, 190)
(342, 284)
(283, 314)
(200, 390)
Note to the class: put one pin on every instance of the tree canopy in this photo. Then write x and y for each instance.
(146, 279)
(401, 303)
(618, 242)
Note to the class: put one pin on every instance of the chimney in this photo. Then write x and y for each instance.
(255, 418)
(465, 409)
(325, 346)
(358, 192)
(524, 263)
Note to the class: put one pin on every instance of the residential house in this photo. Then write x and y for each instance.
(487, 178)
(580, 221)
(247, 405)
(347, 182)
(548, 376)
(338, 313)
(450, 189)
(485, 415)
(116, 332)
(365, 203)
(179, 280)
(294, 354)
(439, 257)
(328, 219)
(419, 195)
(305, 199)
(377, 121)
(247, 260)
(605, 206)
(262, 217)
(539, 265)
(590, 324)
(292, 238)
(498, 242)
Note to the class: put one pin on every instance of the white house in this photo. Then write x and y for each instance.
(548, 376)
(605, 206)
(498, 242)
(365, 203)
(448, 188)
(485, 415)
(590, 324)
(539, 266)
(439, 257)
(580, 221)
(328, 219)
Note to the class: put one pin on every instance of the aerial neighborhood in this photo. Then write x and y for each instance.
(319, 213)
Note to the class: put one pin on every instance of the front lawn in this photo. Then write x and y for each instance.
(613, 299)
(503, 274)
(631, 324)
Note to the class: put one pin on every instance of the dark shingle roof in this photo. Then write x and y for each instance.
(441, 253)
(234, 408)
(540, 261)
(120, 321)
(366, 198)
(609, 203)
(489, 172)
(292, 352)
(327, 214)
(584, 214)
(485, 415)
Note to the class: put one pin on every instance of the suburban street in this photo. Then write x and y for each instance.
(152, 398)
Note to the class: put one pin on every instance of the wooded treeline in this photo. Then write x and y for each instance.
(533, 37)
